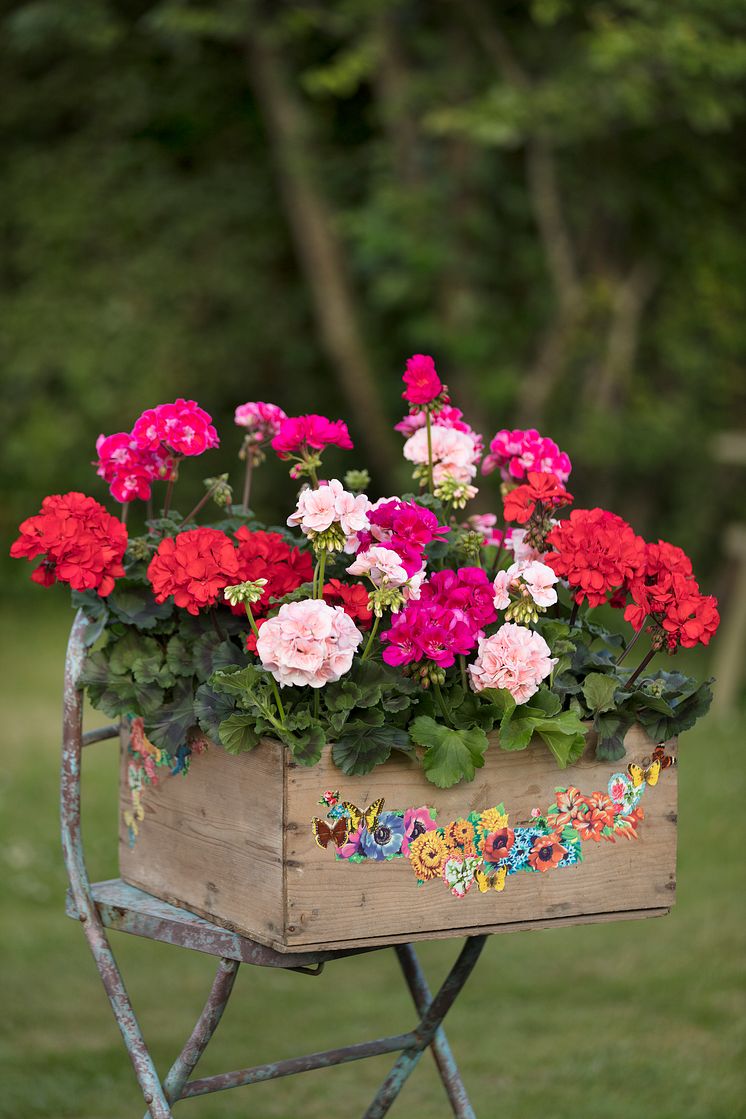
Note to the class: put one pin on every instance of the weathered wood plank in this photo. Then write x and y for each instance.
(213, 840)
(232, 842)
(333, 901)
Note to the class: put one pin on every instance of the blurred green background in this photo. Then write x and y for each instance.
(282, 201)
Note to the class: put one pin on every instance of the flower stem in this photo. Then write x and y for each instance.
(319, 575)
(170, 487)
(574, 613)
(640, 668)
(631, 644)
(442, 703)
(430, 482)
(273, 682)
(125, 511)
(369, 644)
(247, 479)
(202, 502)
(462, 666)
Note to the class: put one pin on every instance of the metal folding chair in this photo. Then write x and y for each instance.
(115, 905)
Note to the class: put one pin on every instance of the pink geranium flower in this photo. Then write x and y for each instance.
(383, 567)
(261, 421)
(515, 658)
(308, 643)
(518, 452)
(455, 453)
(129, 470)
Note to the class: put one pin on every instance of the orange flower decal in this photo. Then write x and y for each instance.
(546, 852)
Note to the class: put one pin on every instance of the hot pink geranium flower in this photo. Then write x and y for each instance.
(308, 643)
(299, 433)
(427, 631)
(183, 427)
(514, 658)
(128, 470)
(518, 452)
(423, 383)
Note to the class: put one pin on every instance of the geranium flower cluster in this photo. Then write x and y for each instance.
(308, 643)
(525, 590)
(666, 591)
(268, 556)
(403, 527)
(81, 544)
(596, 552)
(129, 470)
(260, 421)
(517, 453)
(183, 428)
(194, 567)
(515, 658)
(330, 516)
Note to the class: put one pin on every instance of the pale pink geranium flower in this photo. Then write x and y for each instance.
(308, 643)
(515, 658)
(523, 553)
(455, 453)
(502, 584)
(540, 580)
(383, 566)
(317, 510)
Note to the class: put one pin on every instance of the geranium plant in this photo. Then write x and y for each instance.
(373, 625)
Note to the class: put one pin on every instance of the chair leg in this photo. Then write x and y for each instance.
(111, 977)
(205, 1027)
(441, 1050)
(428, 1027)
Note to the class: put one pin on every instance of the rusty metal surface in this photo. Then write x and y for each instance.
(441, 1050)
(428, 1027)
(205, 1027)
(128, 909)
(292, 1065)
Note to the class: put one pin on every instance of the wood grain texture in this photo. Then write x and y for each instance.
(233, 842)
(333, 902)
(212, 841)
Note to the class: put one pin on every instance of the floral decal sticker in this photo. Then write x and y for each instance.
(143, 762)
(482, 848)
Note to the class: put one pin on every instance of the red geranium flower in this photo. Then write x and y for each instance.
(668, 593)
(82, 543)
(546, 852)
(597, 552)
(353, 598)
(267, 555)
(546, 489)
(690, 618)
(194, 567)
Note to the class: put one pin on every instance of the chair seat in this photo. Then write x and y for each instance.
(128, 909)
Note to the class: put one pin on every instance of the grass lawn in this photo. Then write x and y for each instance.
(638, 1019)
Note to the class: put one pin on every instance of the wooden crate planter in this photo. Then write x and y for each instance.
(233, 842)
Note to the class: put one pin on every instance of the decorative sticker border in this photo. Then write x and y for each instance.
(144, 759)
(481, 847)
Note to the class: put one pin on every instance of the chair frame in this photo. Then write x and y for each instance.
(118, 906)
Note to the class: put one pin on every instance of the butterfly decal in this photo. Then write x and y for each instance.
(370, 815)
(648, 772)
(135, 815)
(324, 833)
(494, 881)
(660, 755)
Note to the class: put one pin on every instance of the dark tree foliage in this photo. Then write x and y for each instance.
(235, 201)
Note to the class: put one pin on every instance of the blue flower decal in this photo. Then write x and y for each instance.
(386, 838)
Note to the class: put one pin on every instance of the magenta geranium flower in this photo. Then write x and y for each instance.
(183, 427)
(299, 433)
(423, 383)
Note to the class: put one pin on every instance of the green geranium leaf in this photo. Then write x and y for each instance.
(545, 702)
(168, 726)
(307, 746)
(237, 733)
(611, 748)
(566, 747)
(237, 682)
(179, 657)
(366, 744)
(450, 755)
(599, 690)
(210, 709)
(517, 733)
(135, 605)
